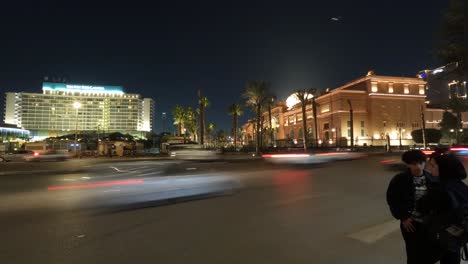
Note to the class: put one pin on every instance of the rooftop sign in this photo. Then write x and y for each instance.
(81, 88)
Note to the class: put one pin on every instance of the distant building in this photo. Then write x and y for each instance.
(383, 106)
(442, 85)
(64, 108)
(9, 132)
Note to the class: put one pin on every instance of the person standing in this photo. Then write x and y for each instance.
(403, 193)
(446, 205)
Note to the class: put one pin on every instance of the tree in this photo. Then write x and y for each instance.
(179, 118)
(209, 129)
(432, 135)
(220, 137)
(458, 106)
(448, 124)
(255, 95)
(191, 121)
(235, 110)
(452, 47)
(116, 136)
(303, 96)
(203, 104)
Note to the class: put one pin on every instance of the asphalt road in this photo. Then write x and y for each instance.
(198, 212)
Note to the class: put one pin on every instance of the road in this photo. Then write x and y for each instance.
(233, 212)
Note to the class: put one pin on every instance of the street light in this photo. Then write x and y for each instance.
(77, 106)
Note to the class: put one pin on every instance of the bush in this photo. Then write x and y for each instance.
(432, 135)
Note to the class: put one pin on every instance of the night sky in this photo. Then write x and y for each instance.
(170, 49)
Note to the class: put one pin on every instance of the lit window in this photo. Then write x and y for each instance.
(406, 88)
(374, 87)
(390, 87)
(325, 108)
(421, 89)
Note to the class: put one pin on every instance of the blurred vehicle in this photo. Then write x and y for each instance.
(192, 152)
(20, 155)
(48, 156)
(429, 150)
(311, 158)
(459, 150)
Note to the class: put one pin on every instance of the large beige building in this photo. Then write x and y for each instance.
(382, 106)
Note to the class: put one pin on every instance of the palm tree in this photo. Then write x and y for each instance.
(255, 95)
(210, 128)
(303, 96)
(203, 104)
(235, 110)
(191, 120)
(271, 103)
(179, 118)
(313, 92)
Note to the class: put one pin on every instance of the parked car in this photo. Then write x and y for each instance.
(19, 155)
(49, 156)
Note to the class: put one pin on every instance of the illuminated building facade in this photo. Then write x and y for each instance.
(63, 108)
(10, 132)
(443, 84)
(383, 107)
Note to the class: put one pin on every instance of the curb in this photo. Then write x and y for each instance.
(40, 172)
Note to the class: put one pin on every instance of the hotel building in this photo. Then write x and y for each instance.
(64, 108)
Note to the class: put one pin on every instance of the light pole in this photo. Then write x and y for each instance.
(97, 143)
(400, 126)
(98, 127)
(423, 122)
(351, 125)
(314, 113)
(461, 131)
(77, 106)
(163, 121)
(336, 137)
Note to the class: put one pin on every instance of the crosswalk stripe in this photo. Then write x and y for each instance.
(372, 234)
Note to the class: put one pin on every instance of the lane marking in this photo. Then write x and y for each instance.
(151, 173)
(118, 169)
(372, 234)
(190, 168)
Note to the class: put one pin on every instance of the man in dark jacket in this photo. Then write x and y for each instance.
(404, 191)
